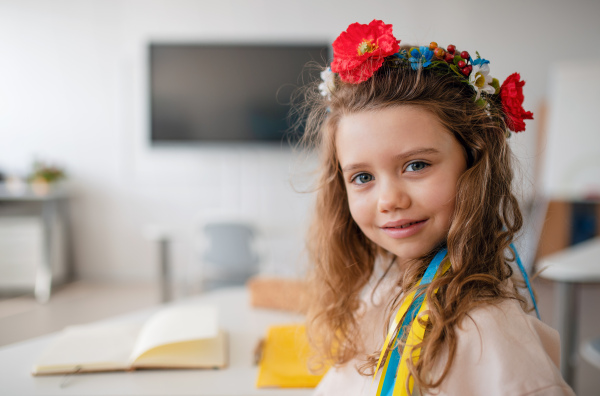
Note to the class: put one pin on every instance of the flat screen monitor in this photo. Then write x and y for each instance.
(226, 93)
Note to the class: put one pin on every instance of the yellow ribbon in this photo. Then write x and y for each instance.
(393, 329)
(417, 332)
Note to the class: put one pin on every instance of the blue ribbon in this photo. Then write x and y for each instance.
(526, 279)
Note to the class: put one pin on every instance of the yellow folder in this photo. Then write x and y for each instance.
(284, 360)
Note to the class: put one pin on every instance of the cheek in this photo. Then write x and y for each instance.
(445, 201)
(438, 196)
(359, 208)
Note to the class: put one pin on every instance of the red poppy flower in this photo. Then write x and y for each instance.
(511, 93)
(360, 50)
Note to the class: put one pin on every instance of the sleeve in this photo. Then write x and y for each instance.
(503, 351)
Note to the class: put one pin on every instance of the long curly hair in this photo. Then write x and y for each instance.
(485, 221)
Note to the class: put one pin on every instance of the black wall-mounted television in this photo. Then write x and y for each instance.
(225, 92)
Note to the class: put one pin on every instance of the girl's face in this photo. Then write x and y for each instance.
(400, 168)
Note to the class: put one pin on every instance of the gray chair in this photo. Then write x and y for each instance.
(231, 256)
(590, 351)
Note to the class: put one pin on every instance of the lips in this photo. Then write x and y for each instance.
(403, 228)
(409, 224)
(402, 223)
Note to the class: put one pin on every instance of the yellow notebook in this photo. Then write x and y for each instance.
(284, 360)
(175, 337)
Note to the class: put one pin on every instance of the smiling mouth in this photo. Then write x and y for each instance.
(404, 230)
(407, 225)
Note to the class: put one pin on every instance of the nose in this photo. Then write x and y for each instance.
(392, 196)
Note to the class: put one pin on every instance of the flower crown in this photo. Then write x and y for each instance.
(362, 49)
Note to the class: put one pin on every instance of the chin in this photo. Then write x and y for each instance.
(413, 253)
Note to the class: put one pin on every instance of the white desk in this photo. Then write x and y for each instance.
(244, 324)
(52, 207)
(578, 264)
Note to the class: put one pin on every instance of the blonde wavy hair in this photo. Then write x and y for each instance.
(485, 221)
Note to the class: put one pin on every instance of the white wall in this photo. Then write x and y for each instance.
(73, 90)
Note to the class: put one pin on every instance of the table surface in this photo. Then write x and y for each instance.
(26, 193)
(580, 263)
(245, 326)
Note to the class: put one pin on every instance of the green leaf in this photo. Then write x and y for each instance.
(455, 69)
(478, 56)
(480, 102)
(457, 58)
(496, 84)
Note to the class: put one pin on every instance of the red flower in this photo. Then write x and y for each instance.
(511, 93)
(360, 50)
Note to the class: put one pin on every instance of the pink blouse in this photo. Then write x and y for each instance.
(501, 350)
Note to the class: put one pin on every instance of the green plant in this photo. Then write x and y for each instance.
(47, 173)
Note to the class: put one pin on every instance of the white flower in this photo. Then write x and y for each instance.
(328, 83)
(480, 80)
(487, 110)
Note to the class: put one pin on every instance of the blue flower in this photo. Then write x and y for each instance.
(420, 57)
(479, 62)
(401, 54)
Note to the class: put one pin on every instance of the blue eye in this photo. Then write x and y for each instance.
(416, 166)
(362, 178)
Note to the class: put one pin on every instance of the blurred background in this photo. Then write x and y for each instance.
(80, 90)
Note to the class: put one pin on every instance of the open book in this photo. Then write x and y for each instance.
(175, 337)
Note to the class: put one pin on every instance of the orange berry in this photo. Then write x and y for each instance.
(433, 45)
(439, 52)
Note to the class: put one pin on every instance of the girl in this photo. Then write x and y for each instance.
(415, 216)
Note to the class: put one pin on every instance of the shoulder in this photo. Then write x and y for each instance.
(505, 328)
(501, 350)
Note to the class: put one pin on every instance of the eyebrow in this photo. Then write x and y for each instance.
(398, 157)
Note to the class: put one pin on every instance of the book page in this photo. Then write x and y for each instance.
(208, 353)
(177, 324)
(89, 348)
